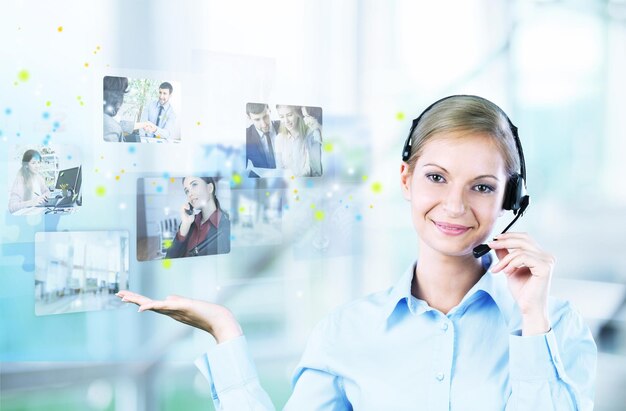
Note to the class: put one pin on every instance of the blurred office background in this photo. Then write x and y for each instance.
(556, 67)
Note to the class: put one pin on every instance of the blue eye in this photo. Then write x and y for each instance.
(484, 188)
(436, 178)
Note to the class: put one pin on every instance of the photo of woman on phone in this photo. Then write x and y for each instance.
(204, 227)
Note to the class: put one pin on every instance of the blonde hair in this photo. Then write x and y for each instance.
(300, 126)
(471, 114)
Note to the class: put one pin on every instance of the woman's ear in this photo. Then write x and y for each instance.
(210, 188)
(405, 180)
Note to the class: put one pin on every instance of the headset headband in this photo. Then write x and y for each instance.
(406, 152)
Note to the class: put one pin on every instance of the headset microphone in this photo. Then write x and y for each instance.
(515, 197)
(483, 249)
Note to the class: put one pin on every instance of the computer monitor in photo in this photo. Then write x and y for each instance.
(79, 180)
(70, 178)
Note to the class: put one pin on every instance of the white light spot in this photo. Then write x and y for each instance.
(100, 394)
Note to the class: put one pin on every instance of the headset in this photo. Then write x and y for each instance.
(516, 198)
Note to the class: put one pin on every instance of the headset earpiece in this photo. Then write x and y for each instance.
(513, 194)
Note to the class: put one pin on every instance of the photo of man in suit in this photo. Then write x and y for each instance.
(260, 137)
(160, 116)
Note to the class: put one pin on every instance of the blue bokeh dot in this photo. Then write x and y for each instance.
(309, 183)
(166, 175)
(358, 217)
(159, 189)
(7, 111)
(131, 149)
(69, 157)
(56, 124)
(45, 115)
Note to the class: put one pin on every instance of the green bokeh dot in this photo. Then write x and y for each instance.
(101, 191)
(377, 187)
(319, 215)
(23, 75)
(328, 147)
(167, 263)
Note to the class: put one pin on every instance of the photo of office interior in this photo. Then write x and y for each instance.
(301, 246)
(48, 180)
(80, 271)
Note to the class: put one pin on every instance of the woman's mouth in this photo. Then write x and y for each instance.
(451, 229)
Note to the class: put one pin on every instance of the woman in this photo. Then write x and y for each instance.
(204, 227)
(456, 332)
(114, 89)
(313, 120)
(291, 145)
(29, 188)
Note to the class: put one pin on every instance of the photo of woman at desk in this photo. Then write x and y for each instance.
(48, 180)
(204, 227)
(29, 187)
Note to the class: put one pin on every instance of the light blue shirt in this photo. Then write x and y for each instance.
(167, 124)
(392, 351)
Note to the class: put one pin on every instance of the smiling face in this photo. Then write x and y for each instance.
(288, 118)
(198, 192)
(456, 191)
(164, 96)
(34, 164)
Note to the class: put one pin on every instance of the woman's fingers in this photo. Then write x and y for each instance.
(130, 297)
(505, 261)
(536, 262)
(513, 242)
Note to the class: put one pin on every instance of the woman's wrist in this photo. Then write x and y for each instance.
(227, 329)
(535, 324)
(184, 229)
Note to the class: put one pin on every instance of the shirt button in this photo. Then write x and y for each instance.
(444, 326)
(440, 376)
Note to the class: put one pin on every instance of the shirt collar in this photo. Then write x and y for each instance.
(269, 133)
(214, 218)
(492, 285)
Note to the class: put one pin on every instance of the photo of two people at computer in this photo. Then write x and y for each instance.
(47, 180)
(141, 110)
(287, 139)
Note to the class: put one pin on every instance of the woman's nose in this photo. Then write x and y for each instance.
(454, 202)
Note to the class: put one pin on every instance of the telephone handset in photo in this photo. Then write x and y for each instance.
(190, 210)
